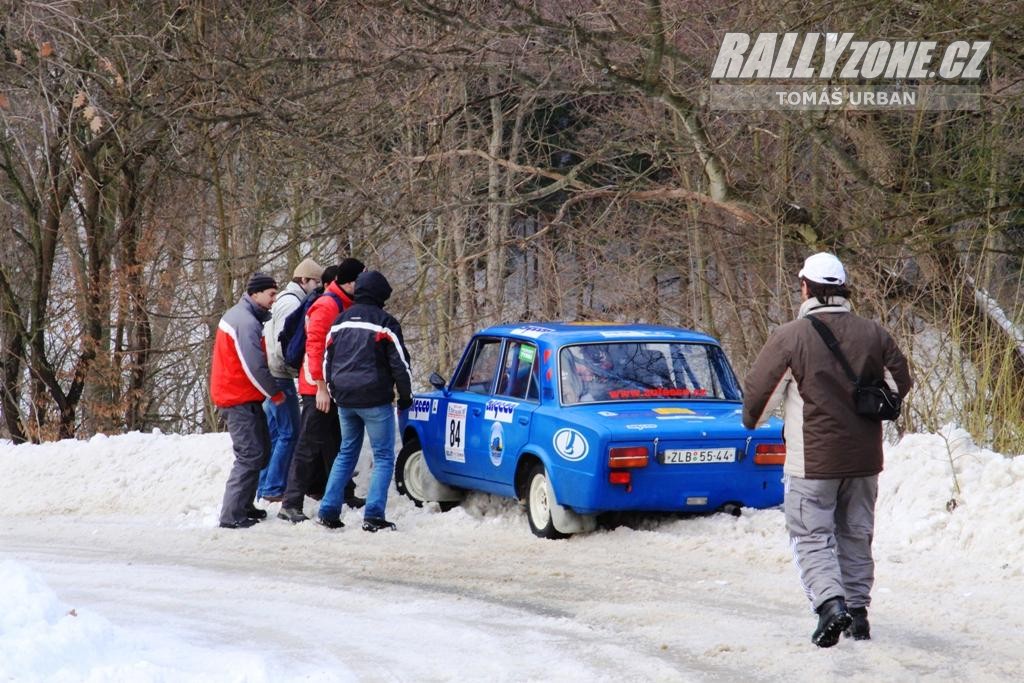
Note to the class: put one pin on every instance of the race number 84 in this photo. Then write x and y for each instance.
(455, 421)
(455, 434)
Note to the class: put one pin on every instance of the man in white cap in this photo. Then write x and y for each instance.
(283, 419)
(833, 452)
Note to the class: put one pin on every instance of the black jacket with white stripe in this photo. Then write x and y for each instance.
(366, 358)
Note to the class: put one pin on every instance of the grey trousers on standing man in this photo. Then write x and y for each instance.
(831, 523)
(250, 438)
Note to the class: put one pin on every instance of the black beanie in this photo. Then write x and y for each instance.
(260, 281)
(348, 270)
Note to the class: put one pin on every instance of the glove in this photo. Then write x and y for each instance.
(404, 403)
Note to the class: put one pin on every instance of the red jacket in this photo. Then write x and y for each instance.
(319, 318)
(239, 372)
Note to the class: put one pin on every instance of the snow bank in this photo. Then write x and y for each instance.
(943, 492)
(134, 473)
(179, 480)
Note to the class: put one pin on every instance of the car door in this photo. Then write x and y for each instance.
(508, 414)
(465, 441)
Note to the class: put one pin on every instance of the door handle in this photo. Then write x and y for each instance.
(523, 420)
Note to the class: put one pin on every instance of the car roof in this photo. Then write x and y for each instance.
(560, 333)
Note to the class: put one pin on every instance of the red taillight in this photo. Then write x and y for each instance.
(770, 454)
(619, 478)
(628, 456)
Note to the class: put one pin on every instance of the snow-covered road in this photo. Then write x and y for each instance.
(471, 594)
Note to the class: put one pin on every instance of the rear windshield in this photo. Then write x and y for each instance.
(631, 371)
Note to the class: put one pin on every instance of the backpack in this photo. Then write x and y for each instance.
(293, 332)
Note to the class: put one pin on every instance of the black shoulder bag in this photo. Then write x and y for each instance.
(875, 399)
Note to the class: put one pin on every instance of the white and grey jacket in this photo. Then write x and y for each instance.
(288, 299)
(825, 437)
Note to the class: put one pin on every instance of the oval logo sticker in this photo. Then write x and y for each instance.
(497, 444)
(570, 444)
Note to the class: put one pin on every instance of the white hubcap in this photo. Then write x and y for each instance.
(540, 506)
(415, 473)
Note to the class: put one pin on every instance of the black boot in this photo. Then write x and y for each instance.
(240, 524)
(832, 620)
(330, 522)
(375, 524)
(293, 515)
(860, 629)
(351, 499)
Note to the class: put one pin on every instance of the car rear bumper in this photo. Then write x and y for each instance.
(700, 488)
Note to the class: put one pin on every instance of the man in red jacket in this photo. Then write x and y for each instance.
(319, 431)
(239, 381)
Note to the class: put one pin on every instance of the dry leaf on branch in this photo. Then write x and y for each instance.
(89, 112)
(19, 57)
(46, 49)
(78, 100)
(4, 102)
(107, 65)
(96, 124)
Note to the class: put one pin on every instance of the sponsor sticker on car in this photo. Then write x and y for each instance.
(496, 445)
(570, 444)
(500, 411)
(532, 331)
(420, 409)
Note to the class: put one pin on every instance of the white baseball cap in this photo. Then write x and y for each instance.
(824, 268)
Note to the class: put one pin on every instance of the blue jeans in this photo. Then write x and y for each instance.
(380, 425)
(283, 422)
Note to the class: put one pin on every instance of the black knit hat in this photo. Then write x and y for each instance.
(260, 281)
(348, 270)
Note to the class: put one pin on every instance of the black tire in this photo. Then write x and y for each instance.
(539, 500)
(410, 450)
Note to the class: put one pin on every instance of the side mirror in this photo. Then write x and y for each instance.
(437, 381)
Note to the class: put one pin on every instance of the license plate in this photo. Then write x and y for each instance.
(697, 456)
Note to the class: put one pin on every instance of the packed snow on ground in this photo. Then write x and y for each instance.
(112, 568)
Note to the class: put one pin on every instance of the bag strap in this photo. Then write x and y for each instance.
(833, 345)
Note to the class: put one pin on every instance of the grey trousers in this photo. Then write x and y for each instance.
(831, 523)
(250, 439)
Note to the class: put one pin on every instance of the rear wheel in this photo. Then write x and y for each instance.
(540, 500)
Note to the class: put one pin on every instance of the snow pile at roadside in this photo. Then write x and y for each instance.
(42, 639)
(134, 473)
(179, 480)
(941, 492)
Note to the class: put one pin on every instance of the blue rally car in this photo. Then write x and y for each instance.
(580, 419)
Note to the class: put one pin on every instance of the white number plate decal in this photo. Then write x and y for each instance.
(697, 456)
(455, 433)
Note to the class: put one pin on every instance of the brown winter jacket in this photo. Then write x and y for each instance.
(825, 437)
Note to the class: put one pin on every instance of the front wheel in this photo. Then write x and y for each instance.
(414, 480)
(540, 501)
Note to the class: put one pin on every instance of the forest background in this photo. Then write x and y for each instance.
(512, 160)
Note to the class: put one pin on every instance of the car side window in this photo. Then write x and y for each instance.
(477, 373)
(518, 376)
